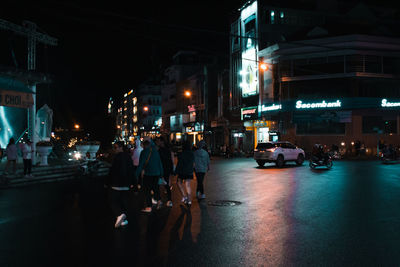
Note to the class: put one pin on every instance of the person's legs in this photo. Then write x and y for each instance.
(147, 185)
(25, 166)
(189, 190)
(181, 187)
(168, 188)
(14, 166)
(29, 166)
(115, 202)
(155, 187)
(6, 168)
(200, 179)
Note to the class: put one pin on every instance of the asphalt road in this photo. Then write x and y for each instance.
(293, 216)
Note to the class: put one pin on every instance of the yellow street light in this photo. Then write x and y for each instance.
(146, 108)
(264, 66)
(76, 126)
(188, 93)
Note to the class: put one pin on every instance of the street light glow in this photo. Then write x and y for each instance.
(264, 66)
(188, 93)
(146, 108)
(76, 126)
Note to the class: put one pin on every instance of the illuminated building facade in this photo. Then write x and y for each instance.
(322, 76)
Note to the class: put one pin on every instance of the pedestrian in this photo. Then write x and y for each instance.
(166, 156)
(11, 152)
(150, 169)
(27, 150)
(135, 159)
(184, 170)
(119, 181)
(201, 166)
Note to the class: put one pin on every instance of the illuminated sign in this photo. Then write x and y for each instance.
(323, 104)
(387, 104)
(191, 108)
(249, 73)
(249, 113)
(270, 108)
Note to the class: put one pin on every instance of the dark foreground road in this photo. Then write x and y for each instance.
(349, 215)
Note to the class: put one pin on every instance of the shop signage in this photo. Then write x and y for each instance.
(191, 108)
(323, 104)
(387, 104)
(249, 113)
(270, 108)
(15, 99)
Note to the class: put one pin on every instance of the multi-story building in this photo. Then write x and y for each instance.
(307, 75)
(125, 118)
(149, 118)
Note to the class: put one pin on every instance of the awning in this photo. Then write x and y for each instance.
(14, 93)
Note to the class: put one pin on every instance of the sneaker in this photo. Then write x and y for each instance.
(184, 199)
(169, 204)
(153, 201)
(147, 209)
(120, 219)
(202, 196)
(125, 222)
(189, 203)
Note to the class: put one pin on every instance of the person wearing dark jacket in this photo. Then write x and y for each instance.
(184, 170)
(120, 179)
(151, 169)
(168, 165)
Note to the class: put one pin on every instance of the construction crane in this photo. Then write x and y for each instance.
(29, 30)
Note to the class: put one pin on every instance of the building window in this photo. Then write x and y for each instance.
(377, 124)
(324, 127)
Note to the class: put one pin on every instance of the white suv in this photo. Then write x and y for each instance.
(278, 152)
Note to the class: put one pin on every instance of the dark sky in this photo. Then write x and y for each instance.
(107, 48)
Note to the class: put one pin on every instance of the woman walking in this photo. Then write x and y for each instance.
(201, 166)
(11, 151)
(184, 170)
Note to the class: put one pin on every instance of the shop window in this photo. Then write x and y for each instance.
(372, 124)
(322, 128)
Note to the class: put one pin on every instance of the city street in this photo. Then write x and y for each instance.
(293, 216)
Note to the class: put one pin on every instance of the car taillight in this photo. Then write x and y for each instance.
(271, 149)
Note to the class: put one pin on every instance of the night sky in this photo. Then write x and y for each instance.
(107, 48)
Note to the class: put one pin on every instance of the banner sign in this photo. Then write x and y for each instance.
(249, 113)
(15, 99)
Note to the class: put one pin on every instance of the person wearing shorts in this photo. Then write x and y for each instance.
(184, 170)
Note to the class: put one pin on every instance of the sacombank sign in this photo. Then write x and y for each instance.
(323, 104)
(387, 104)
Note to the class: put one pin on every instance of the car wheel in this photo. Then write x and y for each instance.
(280, 161)
(260, 163)
(300, 160)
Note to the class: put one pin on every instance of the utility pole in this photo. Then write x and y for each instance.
(29, 30)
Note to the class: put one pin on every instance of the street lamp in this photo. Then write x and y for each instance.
(188, 93)
(146, 108)
(263, 66)
(76, 126)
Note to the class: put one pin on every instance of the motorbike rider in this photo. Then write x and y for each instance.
(318, 153)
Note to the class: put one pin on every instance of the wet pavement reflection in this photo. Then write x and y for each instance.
(292, 216)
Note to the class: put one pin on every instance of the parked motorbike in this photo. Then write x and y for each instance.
(326, 162)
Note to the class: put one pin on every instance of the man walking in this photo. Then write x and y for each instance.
(27, 151)
(119, 181)
(150, 169)
(201, 166)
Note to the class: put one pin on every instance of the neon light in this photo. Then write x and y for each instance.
(387, 104)
(323, 104)
(5, 137)
(248, 11)
(269, 108)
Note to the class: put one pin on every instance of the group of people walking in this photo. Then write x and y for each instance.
(149, 166)
(12, 155)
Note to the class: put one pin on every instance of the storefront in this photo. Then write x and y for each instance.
(194, 132)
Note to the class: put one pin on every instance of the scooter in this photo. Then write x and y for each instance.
(327, 162)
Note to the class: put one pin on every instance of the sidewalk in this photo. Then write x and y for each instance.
(57, 170)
